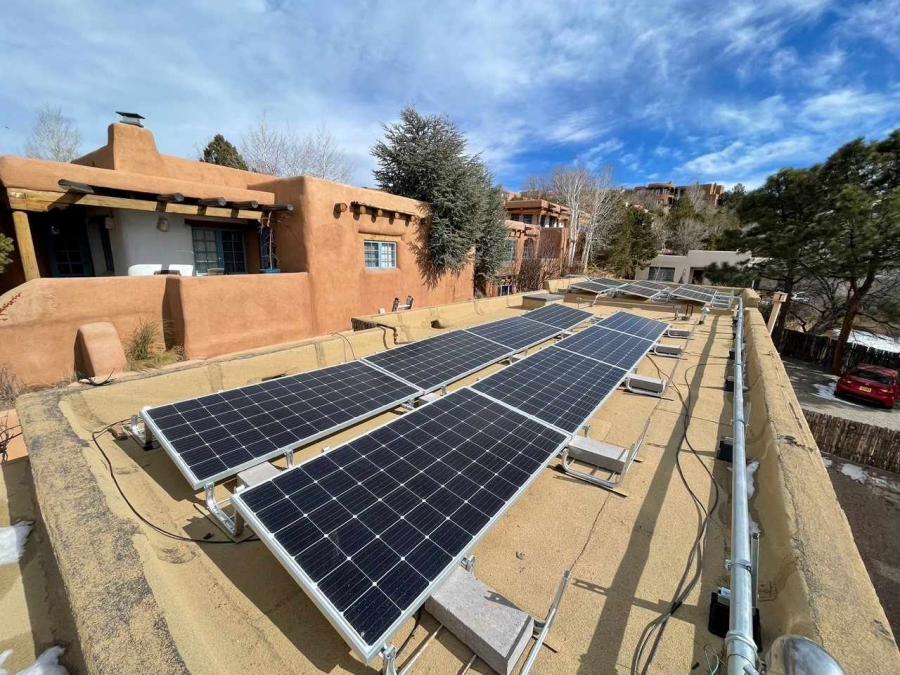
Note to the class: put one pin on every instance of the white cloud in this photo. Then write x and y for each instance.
(743, 158)
(879, 20)
(849, 108)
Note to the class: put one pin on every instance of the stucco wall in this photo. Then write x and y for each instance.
(812, 579)
(234, 313)
(38, 328)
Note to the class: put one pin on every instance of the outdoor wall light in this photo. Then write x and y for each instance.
(162, 224)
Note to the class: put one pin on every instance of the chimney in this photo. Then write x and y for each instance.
(130, 118)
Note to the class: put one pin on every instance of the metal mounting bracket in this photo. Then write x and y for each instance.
(233, 525)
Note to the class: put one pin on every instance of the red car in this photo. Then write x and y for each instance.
(875, 384)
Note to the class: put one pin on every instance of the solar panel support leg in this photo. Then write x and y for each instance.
(542, 628)
(234, 526)
(389, 660)
(468, 563)
(289, 458)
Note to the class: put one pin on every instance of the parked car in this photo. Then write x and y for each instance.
(875, 384)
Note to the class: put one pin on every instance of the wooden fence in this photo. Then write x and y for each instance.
(820, 349)
(858, 442)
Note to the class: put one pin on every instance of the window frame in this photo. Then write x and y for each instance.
(653, 273)
(213, 238)
(385, 255)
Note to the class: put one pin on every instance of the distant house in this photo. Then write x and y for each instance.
(687, 269)
(666, 194)
(127, 210)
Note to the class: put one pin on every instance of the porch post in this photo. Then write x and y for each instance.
(25, 244)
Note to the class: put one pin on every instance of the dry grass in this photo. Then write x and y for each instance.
(145, 348)
(10, 387)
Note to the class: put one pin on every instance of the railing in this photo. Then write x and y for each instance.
(739, 645)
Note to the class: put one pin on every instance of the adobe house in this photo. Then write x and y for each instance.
(182, 242)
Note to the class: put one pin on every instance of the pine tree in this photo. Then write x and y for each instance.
(424, 157)
(222, 152)
(6, 249)
(633, 243)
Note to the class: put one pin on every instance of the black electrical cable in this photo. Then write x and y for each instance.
(656, 628)
(156, 528)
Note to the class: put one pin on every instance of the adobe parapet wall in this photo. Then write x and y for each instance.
(812, 579)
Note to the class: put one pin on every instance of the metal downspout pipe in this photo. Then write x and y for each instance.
(739, 645)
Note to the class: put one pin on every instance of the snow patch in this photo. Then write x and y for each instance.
(855, 472)
(46, 664)
(751, 471)
(12, 542)
(826, 391)
(827, 461)
(875, 341)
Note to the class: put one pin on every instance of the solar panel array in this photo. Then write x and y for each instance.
(517, 333)
(635, 325)
(372, 527)
(218, 435)
(641, 289)
(555, 385)
(696, 293)
(591, 287)
(609, 283)
(432, 363)
(560, 316)
(610, 346)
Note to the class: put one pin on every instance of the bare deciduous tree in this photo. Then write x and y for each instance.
(571, 184)
(603, 202)
(282, 152)
(53, 137)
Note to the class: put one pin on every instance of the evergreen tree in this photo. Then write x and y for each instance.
(633, 243)
(423, 157)
(222, 152)
(779, 232)
(859, 223)
(6, 249)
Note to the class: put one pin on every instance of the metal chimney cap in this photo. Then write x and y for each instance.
(131, 118)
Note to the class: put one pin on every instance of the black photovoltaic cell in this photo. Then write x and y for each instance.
(431, 363)
(369, 526)
(516, 333)
(635, 325)
(218, 435)
(558, 315)
(609, 346)
(556, 386)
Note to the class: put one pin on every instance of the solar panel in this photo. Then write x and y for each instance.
(693, 293)
(609, 283)
(516, 333)
(435, 362)
(216, 436)
(559, 315)
(639, 290)
(369, 529)
(591, 287)
(556, 386)
(659, 286)
(635, 325)
(609, 346)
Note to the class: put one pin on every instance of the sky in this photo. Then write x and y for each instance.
(681, 91)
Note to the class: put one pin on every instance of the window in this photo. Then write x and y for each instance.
(380, 255)
(505, 289)
(662, 274)
(509, 255)
(528, 253)
(543, 221)
(219, 249)
(514, 217)
(527, 219)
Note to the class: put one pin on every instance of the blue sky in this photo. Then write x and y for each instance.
(683, 91)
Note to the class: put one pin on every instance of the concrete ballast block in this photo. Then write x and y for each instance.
(257, 474)
(536, 300)
(99, 349)
(603, 455)
(489, 624)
